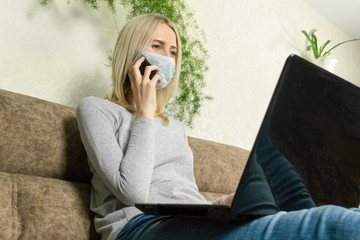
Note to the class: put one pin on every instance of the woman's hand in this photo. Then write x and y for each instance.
(227, 200)
(143, 89)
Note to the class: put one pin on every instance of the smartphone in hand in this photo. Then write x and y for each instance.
(144, 64)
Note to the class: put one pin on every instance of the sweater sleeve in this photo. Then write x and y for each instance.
(126, 175)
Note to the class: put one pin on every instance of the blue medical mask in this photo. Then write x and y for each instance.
(166, 65)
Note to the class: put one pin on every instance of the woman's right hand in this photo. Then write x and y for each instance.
(227, 200)
(143, 89)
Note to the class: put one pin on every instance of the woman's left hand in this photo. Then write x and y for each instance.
(227, 200)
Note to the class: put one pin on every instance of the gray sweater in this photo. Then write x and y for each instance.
(133, 161)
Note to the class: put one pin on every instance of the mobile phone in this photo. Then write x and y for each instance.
(144, 64)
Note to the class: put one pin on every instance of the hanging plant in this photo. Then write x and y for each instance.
(187, 104)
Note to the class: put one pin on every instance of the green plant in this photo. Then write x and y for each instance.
(188, 102)
(314, 46)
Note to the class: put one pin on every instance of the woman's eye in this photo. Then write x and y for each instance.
(173, 53)
(156, 46)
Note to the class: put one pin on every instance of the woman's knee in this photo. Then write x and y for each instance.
(324, 222)
(334, 221)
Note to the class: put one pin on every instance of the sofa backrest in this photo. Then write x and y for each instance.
(40, 138)
(217, 167)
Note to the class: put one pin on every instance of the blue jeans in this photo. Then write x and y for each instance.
(325, 222)
(298, 217)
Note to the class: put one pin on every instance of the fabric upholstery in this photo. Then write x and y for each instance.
(217, 167)
(40, 138)
(43, 208)
(45, 178)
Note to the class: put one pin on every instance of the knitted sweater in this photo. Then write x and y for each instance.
(133, 161)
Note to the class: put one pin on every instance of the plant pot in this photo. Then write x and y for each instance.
(328, 63)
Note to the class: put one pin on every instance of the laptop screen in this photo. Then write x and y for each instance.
(315, 125)
(307, 151)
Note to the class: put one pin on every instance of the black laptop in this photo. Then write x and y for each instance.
(311, 133)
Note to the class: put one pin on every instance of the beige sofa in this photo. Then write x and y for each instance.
(45, 179)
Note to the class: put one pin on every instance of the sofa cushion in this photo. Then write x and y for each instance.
(42, 208)
(40, 138)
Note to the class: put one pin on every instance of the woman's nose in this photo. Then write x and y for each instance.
(166, 53)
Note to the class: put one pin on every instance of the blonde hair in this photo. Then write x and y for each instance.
(133, 39)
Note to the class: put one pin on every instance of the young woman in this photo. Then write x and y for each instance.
(137, 154)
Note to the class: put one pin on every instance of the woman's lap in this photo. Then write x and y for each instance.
(326, 222)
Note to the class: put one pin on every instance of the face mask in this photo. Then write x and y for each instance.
(166, 65)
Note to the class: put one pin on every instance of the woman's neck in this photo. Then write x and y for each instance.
(130, 99)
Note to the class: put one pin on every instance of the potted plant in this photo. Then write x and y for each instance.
(187, 104)
(319, 54)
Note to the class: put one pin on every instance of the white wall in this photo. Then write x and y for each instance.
(344, 13)
(248, 42)
(58, 53)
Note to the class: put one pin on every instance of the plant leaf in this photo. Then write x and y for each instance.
(306, 35)
(312, 33)
(315, 46)
(323, 46)
(328, 52)
(311, 40)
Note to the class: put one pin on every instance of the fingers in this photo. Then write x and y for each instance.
(143, 88)
(227, 200)
(156, 79)
(146, 78)
(139, 62)
(134, 72)
(148, 71)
